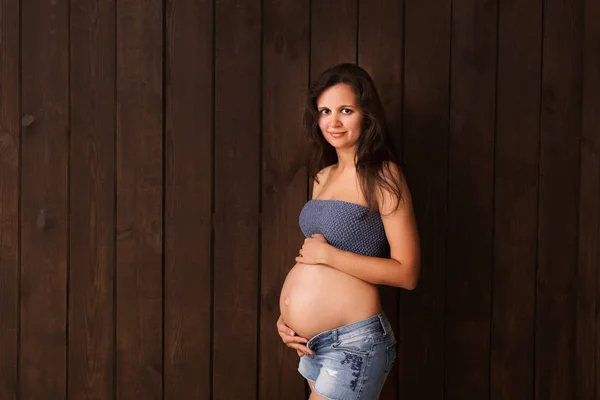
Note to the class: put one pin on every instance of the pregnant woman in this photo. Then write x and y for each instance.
(360, 233)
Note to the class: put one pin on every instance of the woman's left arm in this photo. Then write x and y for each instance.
(376, 270)
(402, 269)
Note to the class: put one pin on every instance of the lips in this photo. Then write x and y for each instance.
(337, 134)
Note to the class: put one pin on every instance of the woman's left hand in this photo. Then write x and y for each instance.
(314, 250)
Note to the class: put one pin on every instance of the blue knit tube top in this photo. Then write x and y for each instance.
(347, 226)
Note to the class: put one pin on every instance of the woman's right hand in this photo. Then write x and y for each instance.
(291, 340)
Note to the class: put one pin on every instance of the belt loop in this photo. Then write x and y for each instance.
(383, 324)
(335, 335)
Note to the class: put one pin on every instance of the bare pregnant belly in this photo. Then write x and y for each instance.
(316, 298)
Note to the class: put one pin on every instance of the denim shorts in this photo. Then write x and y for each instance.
(352, 361)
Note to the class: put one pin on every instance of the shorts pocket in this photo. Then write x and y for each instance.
(362, 345)
(391, 353)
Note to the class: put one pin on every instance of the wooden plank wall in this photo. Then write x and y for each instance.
(150, 185)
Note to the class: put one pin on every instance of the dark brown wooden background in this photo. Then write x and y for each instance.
(150, 186)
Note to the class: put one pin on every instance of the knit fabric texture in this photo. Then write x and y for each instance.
(347, 226)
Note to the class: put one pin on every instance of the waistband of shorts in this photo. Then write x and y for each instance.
(376, 323)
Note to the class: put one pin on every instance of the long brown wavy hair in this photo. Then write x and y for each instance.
(374, 150)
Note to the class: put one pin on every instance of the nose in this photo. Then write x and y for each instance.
(334, 121)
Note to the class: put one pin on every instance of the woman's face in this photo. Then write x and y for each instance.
(340, 117)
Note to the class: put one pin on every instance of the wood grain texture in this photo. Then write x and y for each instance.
(589, 253)
(516, 190)
(188, 196)
(44, 200)
(92, 199)
(139, 283)
(284, 86)
(137, 265)
(426, 129)
(587, 362)
(10, 99)
(470, 199)
(333, 33)
(556, 302)
(380, 52)
(237, 191)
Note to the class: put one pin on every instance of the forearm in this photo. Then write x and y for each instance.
(375, 270)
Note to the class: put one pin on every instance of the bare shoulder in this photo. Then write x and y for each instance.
(392, 172)
(320, 180)
(324, 173)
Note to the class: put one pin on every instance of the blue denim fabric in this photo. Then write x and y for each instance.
(353, 361)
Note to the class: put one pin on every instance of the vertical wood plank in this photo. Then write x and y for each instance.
(591, 139)
(333, 34)
(591, 142)
(587, 363)
(516, 190)
(556, 303)
(470, 201)
(92, 194)
(285, 82)
(188, 186)
(44, 199)
(139, 199)
(237, 191)
(10, 99)
(426, 127)
(380, 51)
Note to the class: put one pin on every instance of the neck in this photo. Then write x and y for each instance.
(346, 158)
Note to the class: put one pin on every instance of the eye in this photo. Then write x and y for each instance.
(349, 111)
(324, 111)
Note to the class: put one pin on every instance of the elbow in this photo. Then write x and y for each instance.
(411, 279)
(407, 273)
(412, 285)
(405, 280)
